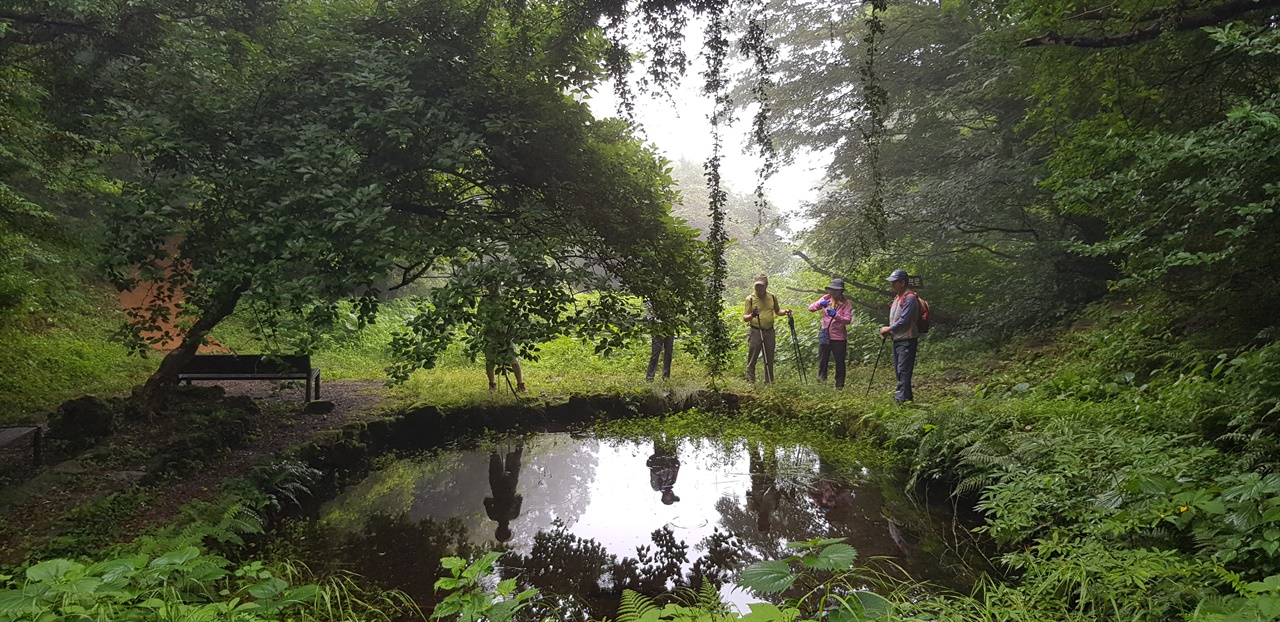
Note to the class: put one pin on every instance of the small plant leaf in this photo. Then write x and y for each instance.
(765, 612)
(874, 606)
(836, 557)
(180, 556)
(767, 576)
(52, 570)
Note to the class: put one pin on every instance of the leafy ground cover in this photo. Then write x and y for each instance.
(1124, 474)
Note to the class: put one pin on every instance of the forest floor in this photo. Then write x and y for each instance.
(92, 496)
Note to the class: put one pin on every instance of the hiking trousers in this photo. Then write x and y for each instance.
(904, 365)
(661, 347)
(838, 350)
(760, 341)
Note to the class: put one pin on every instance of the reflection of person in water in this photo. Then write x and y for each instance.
(764, 494)
(504, 505)
(664, 466)
(833, 497)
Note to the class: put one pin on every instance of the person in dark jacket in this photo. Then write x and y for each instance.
(903, 329)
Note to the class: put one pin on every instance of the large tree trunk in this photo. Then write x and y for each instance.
(153, 395)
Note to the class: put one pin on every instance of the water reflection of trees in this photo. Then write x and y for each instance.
(555, 483)
(394, 551)
(541, 486)
(583, 581)
(775, 510)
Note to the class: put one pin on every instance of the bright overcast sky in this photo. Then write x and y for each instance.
(680, 129)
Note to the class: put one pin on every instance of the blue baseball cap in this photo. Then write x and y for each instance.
(897, 275)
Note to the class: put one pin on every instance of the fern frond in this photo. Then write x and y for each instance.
(634, 606)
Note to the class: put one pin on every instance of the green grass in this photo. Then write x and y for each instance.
(48, 359)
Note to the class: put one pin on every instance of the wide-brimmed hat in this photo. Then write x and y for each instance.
(897, 275)
(836, 284)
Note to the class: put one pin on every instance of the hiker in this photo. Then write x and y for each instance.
(489, 366)
(504, 477)
(759, 313)
(833, 339)
(903, 329)
(664, 467)
(662, 332)
(498, 345)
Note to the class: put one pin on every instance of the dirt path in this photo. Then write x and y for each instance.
(44, 502)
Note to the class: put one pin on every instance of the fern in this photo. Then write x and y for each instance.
(635, 606)
(709, 598)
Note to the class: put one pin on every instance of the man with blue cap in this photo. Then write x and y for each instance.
(903, 328)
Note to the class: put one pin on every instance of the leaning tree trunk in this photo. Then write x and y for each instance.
(153, 395)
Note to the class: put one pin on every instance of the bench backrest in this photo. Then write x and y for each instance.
(247, 364)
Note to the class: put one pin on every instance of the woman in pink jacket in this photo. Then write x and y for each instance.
(837, 312)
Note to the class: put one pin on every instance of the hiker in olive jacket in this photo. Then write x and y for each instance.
(759, 313)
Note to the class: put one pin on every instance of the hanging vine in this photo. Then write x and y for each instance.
(755, 46)
(716, 85)
(874, 101)
(660, 25)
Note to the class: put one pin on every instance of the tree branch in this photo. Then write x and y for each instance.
(966, 227)
(825, 272)
(865, 305)
(1216, 15)
(40, 20)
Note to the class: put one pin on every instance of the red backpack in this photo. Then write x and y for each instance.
(924, 322)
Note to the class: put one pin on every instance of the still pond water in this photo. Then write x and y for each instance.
(587, 517)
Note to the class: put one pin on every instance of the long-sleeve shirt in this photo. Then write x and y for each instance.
(835, 324)
(903, 316)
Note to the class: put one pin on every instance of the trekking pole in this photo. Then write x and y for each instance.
(764, 352)
(876, 366)
(768, 362)
(795, 344)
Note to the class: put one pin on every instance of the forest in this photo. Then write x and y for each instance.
(417, 199)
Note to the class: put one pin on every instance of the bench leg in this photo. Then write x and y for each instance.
(317, 384)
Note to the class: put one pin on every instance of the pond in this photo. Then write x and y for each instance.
(585, 517)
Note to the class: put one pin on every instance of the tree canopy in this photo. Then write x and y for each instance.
(1035, 153)
(284, 156)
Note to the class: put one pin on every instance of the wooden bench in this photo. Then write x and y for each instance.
(253, 367)
(12, 434)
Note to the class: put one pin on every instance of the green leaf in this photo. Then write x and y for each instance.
(767, 576)
(15, 600)
(115, 569)
(180, 556)
(268, 588)
(874, 606)
(80, 587)
(505, 587)
(765, 612)
(813, 544)
(52, 570)
(836, 557)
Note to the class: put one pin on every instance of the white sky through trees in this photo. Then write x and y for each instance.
(678, 125)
